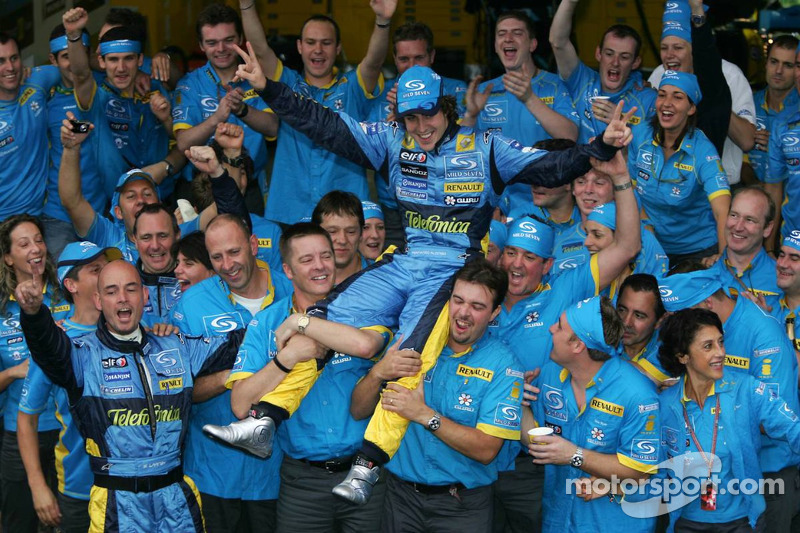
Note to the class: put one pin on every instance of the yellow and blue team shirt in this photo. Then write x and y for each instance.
(480, 388)
(621, 417)
(14, 351)
(208, 309)
(62, 99)
(647, 359)
(506, 114)
(197, 97)
(787, 317)
(756, 344)
(784, 166)
(584, 83)
(322, 427)
(304, 172)
(760, 277)
(75, 478)
(676, 193)
(129, 134)
(24, 146)
(381, 109)
(765, 118)
(107, 233)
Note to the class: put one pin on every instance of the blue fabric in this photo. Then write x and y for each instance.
(676, 193)
(304, 172)
(498, 233)
(107, 234)
(605, 214)
(584, 83)
(685, 81)
(80, 253)
(197, 97)
(784, 166)
(759, 277)
(677, 20)
(487, 403)
(745, 405)
(322, 427)
(269, 235)
(208, 309)
(121, 46)
(371, 210)
(647, 359)
(587, 324)
(60, 43)
(75, 478)
(507, 114)
(63, 100)
(765, 119)
(621, 418)
(418, 91)
(164, 292)
(792, 239)
(14, 351)
(532, 236)
(681, 291)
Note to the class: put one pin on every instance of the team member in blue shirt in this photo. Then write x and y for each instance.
(788, 272)
(305, 171)
(715, 410)
(78, 269)
(340, 214)
(207, 96)
(557, 205)
(244, 492)
(320, 439)
(525, 103)
(373, 235)
(23, 252)
(617, 79)
(58, 226)
(745, 266)
(679, 179)
(133, 129)
(755, 344)
(777, 98)
(605, 419)
(23, 134)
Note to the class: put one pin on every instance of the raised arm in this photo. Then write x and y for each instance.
(566, 56)
(80, 211)
(370, 66)
(254, 33)
(50, 347)
(75, 20)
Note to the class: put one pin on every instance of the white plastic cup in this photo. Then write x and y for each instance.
(538, 432)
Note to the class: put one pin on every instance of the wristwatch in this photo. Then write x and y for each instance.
(698, 20)
(577, 458)
(435, 422)
(169, 167)
(237, 161)
(302, 324)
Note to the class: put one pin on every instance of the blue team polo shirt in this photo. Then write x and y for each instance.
(208, 309)
(784, 166)
(479, 388)
(760, 276)
(584, 83)
(304, 172)
(106, 233)
(505, 113)
(765, 118)
(75, 478)
(322, 427)
(676, 193)
(14, 351)
(621, 417)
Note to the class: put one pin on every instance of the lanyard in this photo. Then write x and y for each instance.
(710, 462)
(737, 278)
(790, 332)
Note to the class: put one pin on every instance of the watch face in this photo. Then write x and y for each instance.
(434, 423)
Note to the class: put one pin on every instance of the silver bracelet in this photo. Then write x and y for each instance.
(624, 186)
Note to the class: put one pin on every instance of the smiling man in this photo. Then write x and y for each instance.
(342, 216)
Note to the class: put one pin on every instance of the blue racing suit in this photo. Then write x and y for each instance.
(131, 401)
(446, 198)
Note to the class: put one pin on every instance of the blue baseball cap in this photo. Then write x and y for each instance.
(677, 20)
(80, 253)
(532, 236)
(682, 291)
(605, 214)
(684, 81)
(131, 175)
(792, 240)
(586, 321)
(371, 210)
(419, 90)
(498, 233)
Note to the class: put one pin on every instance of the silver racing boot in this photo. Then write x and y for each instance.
(357, 486)
(253, 434)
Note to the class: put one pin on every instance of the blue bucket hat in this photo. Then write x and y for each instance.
(498, 233)
(684, 81)
(605, 214)
(677, 20)
(419, 90)
(681, 291)
(586, 321)
(371, 210)
(532, 236)
(80, 253)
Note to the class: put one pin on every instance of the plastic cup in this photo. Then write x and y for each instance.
(534, 433)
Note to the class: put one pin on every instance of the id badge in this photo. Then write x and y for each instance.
(708, 497)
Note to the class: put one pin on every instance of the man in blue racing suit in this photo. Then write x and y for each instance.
(131, 394)
(447, 180)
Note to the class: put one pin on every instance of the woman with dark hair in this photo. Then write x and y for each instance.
(193, 264)
(24, 255)
(711, 427)
(678, 174)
